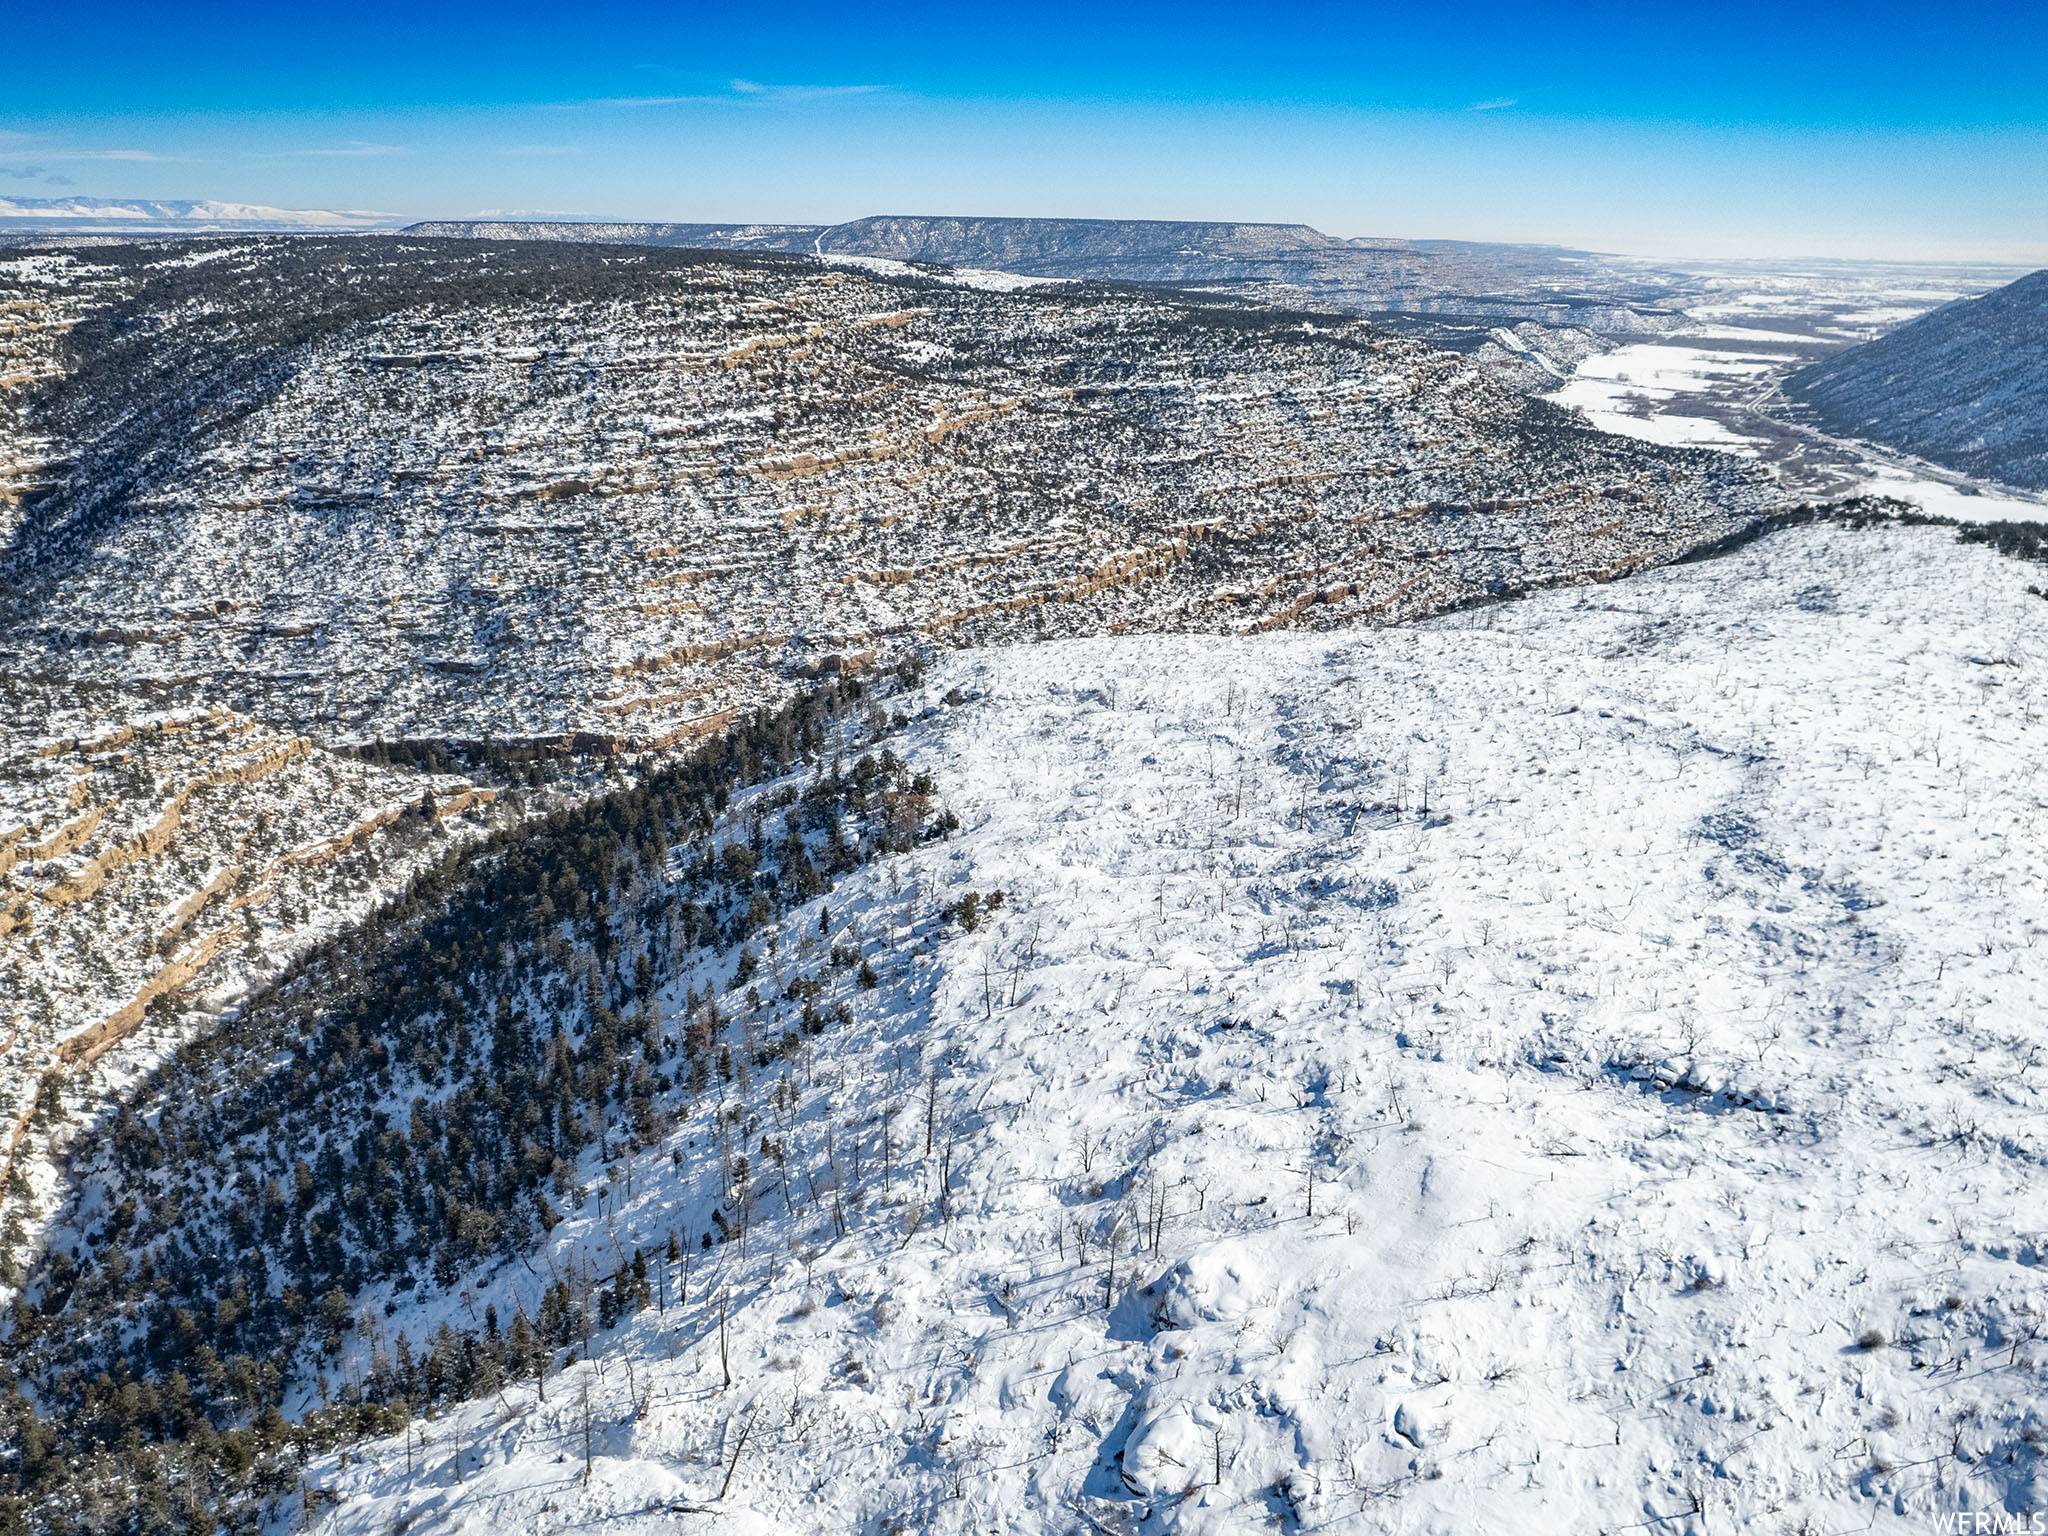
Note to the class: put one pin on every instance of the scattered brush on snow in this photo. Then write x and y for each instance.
(1568, 1066)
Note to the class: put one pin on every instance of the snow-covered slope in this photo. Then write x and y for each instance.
(1961, 386)
(602, 496)
(1570, 1066)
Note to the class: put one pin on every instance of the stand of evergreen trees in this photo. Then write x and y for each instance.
(406, 1106)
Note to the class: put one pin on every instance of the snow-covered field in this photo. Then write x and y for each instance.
(1678, 395)
(1641, 390)
(1712, 383)
(1569, 1067)
(1943, 493)
(964, 277)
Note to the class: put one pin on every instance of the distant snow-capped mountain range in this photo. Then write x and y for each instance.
(95, 214)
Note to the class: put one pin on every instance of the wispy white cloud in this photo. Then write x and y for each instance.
(737, 93)
(37, 144)
(794, 93)
(1495, 105)
(354, 149)
(104, 154)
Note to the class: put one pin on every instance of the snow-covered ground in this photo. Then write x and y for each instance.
(1712, 382)
(1943, 493)
(1691, 396)
(964, 277)
(1567, 1067)
(1633, 389)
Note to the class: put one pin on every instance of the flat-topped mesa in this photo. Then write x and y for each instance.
(1295, 264)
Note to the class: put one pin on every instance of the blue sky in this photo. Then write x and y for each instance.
(1784, 129)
